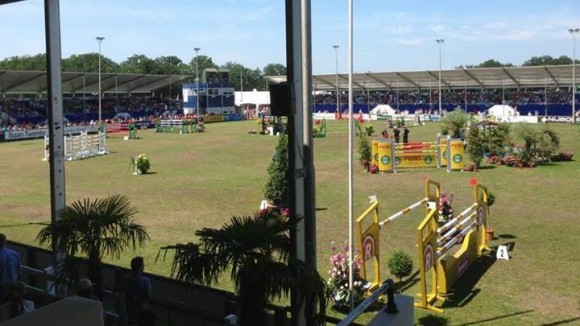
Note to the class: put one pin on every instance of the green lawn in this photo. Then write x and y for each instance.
(200, 180)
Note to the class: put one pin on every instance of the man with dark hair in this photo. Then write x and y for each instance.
(136, 290)
(9, 268)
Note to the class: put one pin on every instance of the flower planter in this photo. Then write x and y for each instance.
(489, 234)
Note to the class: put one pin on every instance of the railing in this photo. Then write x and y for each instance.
(391, 307)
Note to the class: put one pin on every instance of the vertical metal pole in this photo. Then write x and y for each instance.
(574, 31)
(196, 83)
(295, 143)
(350, 156)
(308, 151)
(440, 41)
(465, 88)
(55, 120)
(337, 92)
(99, 39)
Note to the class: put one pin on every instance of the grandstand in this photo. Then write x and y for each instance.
(540, 90)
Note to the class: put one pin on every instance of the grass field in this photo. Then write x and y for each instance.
(200, 180)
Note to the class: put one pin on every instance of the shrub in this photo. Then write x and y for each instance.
(475, 146)
(142, 163)
(276, 188)
(400, 264)
(364, 152)
(369, 129)
(563, 156)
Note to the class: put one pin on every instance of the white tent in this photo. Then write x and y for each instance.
(383, 109)
(500, 110)
(253, 97)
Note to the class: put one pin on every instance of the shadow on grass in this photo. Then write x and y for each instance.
(562, 322)
(433, 320)
(464, 289)
(487, 167)
(506, 236)
(403, 286)
(496, 318)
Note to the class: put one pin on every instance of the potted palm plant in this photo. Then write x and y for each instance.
(255, 251)
(93, 228)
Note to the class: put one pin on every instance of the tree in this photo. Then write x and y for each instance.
(475, 146)
(169, 65)
(89, 62)
(274, 69)
(547, 60)
(277, 188)
(95, 229)
(491, 63)
(204, 62)
(256, 252)
(138, 64)
(454, 123)
(400, 264)
(529, 133)
(36, 62)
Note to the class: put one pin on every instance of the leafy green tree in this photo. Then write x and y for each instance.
(454, 123)
(204, 62)
(138, 64)
(498, 138)
(548, 143)
(529, 133)
(400, 264)
(364, 151)
(89, 62)
(491, 63)
(274, 69)
(252, 79)
(475, 145)
(548, 61)
(277, 187)
(256, 253)
(36, 62)
(169, 65)
(95, 229)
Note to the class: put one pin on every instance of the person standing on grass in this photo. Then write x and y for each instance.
(405, 135)
(9, 268)
(136, 291)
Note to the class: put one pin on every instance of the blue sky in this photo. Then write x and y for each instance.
(394, 35)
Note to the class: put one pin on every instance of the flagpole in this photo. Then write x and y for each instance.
(350, 158)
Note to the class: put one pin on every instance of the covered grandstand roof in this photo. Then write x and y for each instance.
(19, 81)
(512, 77)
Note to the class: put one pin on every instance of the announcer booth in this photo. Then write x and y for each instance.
(214, 94)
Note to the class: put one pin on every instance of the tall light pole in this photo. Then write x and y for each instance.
(440, 42)
(99, 39)
(337, 94)
(196, 83)
(574, 31)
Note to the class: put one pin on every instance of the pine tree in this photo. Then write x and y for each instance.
(276, 188)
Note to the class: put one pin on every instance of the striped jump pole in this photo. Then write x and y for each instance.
(458, 227)
(441, 251)
(403, 211)
(453, 221)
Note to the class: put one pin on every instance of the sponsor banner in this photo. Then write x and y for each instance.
(416, 160)
(457, 155)
(40, 133)
(557, 119)
(213, 118)
(233, 117)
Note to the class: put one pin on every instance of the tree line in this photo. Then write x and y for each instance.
(171, 65)
(141, 64)
(544, 60)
